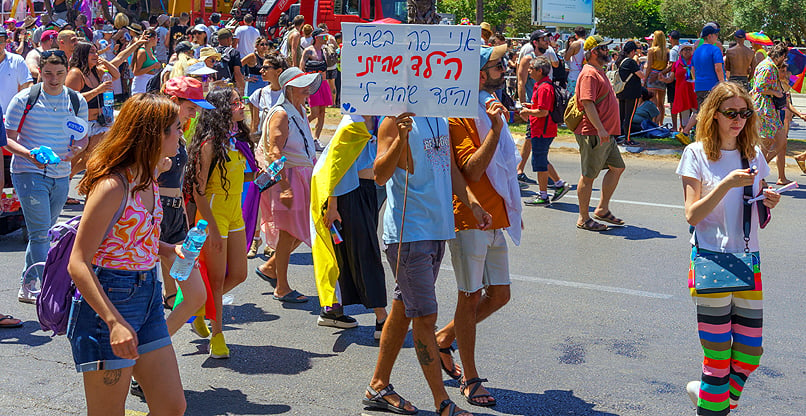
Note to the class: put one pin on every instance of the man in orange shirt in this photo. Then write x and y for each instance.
(487, 157)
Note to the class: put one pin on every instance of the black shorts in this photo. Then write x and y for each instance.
(174, 227)
(331, 74)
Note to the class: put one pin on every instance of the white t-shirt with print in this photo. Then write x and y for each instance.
(722, 229)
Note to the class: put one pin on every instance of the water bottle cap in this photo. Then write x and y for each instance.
(202, 224)
(283, 159)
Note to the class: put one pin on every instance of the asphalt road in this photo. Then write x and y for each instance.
(599, 324)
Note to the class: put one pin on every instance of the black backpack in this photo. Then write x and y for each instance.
(222, 66)
(33, 95)
(560, 74)
(561, 98)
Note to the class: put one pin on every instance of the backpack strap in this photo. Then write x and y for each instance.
(33, 95)
(74, 100)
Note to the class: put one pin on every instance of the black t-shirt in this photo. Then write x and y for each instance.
(230, 59)
(632, 89)
(174, 30)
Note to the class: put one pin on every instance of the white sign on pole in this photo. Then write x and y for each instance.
(564, 13)
(429, 70)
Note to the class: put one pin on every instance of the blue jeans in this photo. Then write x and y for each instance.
(42, 199)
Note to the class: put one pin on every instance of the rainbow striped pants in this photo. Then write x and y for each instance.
(729, 326)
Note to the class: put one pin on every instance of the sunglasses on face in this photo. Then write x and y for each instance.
(732, 114)
(237, 104)
(262, 44)
(58, 52)
(499, 66)
(268, 67)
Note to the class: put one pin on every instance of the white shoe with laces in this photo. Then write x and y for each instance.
(28, 293)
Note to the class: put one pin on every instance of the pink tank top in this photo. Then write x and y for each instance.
(133, 243)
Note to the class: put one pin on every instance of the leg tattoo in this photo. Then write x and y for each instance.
(422, 353)
(111, 377)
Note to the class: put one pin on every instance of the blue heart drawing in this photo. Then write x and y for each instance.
(348, 107)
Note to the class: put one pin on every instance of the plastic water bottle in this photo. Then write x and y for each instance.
(109, 96)
(190, 249)
(276, 167)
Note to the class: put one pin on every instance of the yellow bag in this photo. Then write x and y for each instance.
(573, 113)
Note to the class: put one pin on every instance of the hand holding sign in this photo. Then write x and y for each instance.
(391, 69)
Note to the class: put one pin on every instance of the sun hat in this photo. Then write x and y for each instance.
(199, 68)
(686, 45)
(486, 26)
(29, 22)
(135, 27)
(492, 53)
(207, 52)
(188, 88)
(594, 41)
(108, 29)
(161, 19)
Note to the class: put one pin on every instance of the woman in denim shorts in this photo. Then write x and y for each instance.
(118, 328)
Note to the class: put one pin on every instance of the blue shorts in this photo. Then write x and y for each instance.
(137, 295)
(417, 277)
(540, 153)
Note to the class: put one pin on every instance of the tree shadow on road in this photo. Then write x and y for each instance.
(24, 335)
(264, 359)
(222, 401)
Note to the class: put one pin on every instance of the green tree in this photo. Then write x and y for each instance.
(778, 18)
(496, 12)
(689, 16)
(628, 18)
(520, 20)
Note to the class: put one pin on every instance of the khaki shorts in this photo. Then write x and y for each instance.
(595, 157)
(479, 259)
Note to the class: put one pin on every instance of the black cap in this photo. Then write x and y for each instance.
(629, 47)
(674, 35)
(537, 34)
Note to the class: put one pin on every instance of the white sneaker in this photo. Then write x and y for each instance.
(28, 293)
(693, 390)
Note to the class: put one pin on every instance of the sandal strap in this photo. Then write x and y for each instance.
(448, 403)
(476, 383)
(447, 350)
(380, 394)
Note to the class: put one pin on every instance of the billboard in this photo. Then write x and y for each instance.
(562, 13)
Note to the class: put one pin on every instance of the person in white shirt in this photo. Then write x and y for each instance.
(575, 57)
(161, 50)
(246, 36)
(14, 73)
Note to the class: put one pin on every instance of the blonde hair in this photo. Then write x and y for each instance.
(182, 62)
(659, 50)
(307, 30)
(708, 127)
(121, 20)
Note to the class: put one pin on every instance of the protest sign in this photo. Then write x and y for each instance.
(429, 70)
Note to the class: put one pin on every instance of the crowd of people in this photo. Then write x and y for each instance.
(183, 148)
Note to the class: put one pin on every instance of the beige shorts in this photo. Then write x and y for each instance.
(480, 259)
(596, 157)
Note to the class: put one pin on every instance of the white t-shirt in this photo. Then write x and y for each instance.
(722, 229)
(161, 50)
(246, 36)
(264, 98)
(13, 73)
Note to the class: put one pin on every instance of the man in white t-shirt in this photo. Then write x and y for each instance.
(161, 50)
(246, 35)
(32, 59)
(14, 74)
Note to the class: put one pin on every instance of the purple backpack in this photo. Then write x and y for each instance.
(58, 291)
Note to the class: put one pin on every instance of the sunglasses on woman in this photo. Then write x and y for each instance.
(732, 114)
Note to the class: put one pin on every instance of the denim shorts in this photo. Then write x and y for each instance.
(540, 153)
(417, 277)
(137, 295)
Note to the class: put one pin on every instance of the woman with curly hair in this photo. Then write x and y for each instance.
(715, 170)
(215, 177)
(118, 327)
(766, 90)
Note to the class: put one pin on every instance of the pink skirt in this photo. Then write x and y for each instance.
(295, 220)
(322, 97)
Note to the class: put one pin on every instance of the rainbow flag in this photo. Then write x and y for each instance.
(797, 82)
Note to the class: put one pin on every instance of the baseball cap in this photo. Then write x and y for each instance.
(188, 88)
(709, 29)
(10, 21)
(48, 34)
(294, 77)
(108, 29)
(98, 21)
(537, 34)
(199, 28)
(183, 46)
(316, 32)
(741, 34)
(224, 33)
(594, 41)
(492, 53)
(674, 34)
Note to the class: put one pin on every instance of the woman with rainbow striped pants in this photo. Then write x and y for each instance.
(729, 323)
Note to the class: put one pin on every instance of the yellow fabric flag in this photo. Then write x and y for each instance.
(344, 148)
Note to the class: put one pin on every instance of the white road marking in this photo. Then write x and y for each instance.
(580, 285)
(649, 204)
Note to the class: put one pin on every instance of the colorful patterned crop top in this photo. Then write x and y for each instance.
(133, 243)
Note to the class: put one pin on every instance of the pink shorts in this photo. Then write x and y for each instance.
(322, 97)
(295, 220)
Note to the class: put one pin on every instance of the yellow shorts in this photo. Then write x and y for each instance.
(227, 213)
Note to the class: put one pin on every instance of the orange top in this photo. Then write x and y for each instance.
(464, 143)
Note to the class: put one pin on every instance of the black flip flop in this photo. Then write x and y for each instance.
(272, 281)
(10, 318)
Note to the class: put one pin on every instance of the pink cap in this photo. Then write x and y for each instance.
(188, 88)
(48, 34)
